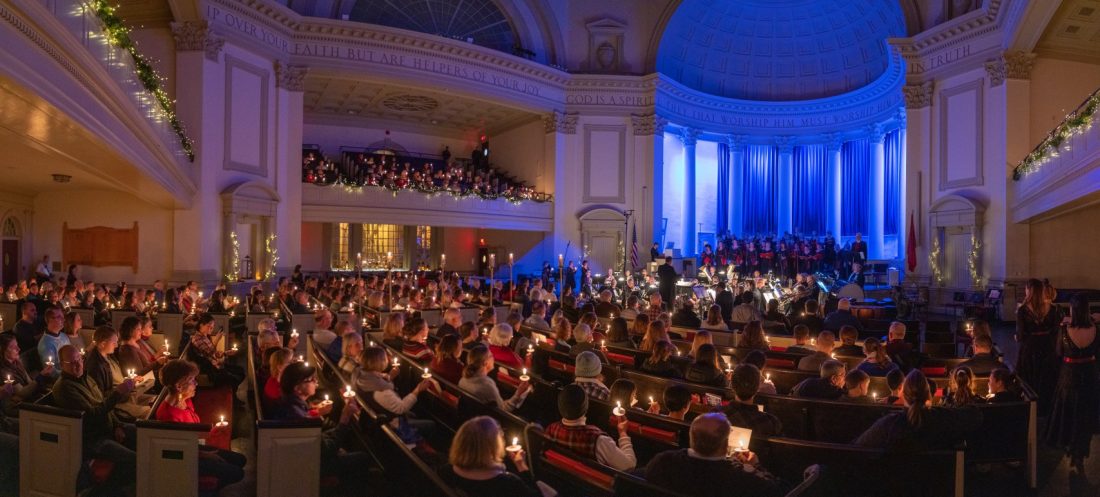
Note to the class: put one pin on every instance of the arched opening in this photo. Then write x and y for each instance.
(11, 238)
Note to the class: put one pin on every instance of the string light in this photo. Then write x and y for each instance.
(934, 261)
(236, 247)
(272, 256)
(1075, 123)
(972, 260)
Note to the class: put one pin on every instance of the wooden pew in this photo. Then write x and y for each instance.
(9, 314)
(252, 320)
(117, 316)
(171, 325)
(168, 459)
(50, 450)
(564, 470)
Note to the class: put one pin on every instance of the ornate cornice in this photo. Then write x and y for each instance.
(196, 35)
(995, 69)
(560, 122)
(1018, 64)
(918, 96)
(648, 124)
(290, 77)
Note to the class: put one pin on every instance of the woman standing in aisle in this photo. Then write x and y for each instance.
(1037, 331)
(1073, 418)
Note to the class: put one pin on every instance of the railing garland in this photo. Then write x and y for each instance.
(1076, 122)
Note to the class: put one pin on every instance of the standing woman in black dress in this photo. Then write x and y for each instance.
(1073, 419)
(1037, 324)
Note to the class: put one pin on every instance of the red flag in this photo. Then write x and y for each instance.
(911, 247)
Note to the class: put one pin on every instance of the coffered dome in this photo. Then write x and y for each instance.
(778, 49)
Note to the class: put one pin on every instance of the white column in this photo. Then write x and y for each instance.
(918, 154)
(289, 85)
(649, 148)
(876, 207)
(833, 213)
(737, 183)
(559, 128)
(784, 210)
(689, 136)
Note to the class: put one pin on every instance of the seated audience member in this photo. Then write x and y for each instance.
(714, 319)
(856, 384)
(1004, 387)
(639, 327)
(702, 337)
(376, 386)
(322, 321)
(73, 324)
(24, 386)
(393, 335)
(825, 343)
(563, 333)
(469, 335)
(132, 353)
(500, 345)
(477, 462)
(741, 411)
(605, 308)
(896, 345)
(26, 329)
(335, 349)
(705, 471)
(772, 316)
(920, 427)
(537, 319)
(415, 344)
(810, 317)
(848, 347)
(752, 337)
(178, 378)
(685, 316)
(339, 454)
(626, 392)
(976, 329)
(894, 381)
(618, 335)
(746, 311)
(584, 342)
(452, 320)
(100, 364)
(475, 381)
(655, 332)
(677, 400)
(983, 362)
(277, 361)
(211, 361)
(706, 370)
(351, 347)
(587, 375)
(574, 432)
(54, 337)
(659, 362)
(105, 435)
(841, 316)
(446, 363)
(961, 389)
(759, 359)
(801, 345)
(877, 362)
(631, 311)
(828, 386)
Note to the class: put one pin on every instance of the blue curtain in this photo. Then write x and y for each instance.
(761, 189)
(855, 176)
(722, 225)
(893, 149)
(810, 185)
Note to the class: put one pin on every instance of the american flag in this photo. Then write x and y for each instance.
(634, 248)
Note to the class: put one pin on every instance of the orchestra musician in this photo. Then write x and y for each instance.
(668, 277)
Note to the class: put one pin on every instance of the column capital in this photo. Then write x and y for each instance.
(688, 136)
(560, 122)
(833, 142)
(876, 132)
(290, 77)
(736, 143)
(193, 36)
(648, 124)
(1018, 64)
(995, 69)
(918, 96)
(785, 144)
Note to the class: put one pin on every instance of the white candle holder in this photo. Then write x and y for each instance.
(427, 374)
(515, 447)
(618, 410)
(348, 392)
(49, 361)
(9, 381)
(222, 423)
(294, 333)
(524, 377)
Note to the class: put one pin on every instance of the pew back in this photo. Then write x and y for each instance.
(51, 438)
(167, 458)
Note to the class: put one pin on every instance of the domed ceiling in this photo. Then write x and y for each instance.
(777, 50)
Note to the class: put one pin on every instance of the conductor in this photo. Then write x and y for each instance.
(667, 277)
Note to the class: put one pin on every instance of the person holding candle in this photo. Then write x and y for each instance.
(574, 432)
(73, 324)
(447, 363)
(706, 370)
(500, 345)
(587, 375)
(477, 462)
(759, 359)
(132, 353)
(659, 362)
(475, 381)
(54, 337)
(351, 349)
(212, 362)
(278, 360)
(585, 342)
(878, 362)
(704, 470)
(415, 343)
(742, 411)
(452, 320)
(374, 381)
(178, 377)
(1004, 387)
(618, 335)
(392, 330)
(920, 427)
(856, 385)
(625, 392)
(25, 386)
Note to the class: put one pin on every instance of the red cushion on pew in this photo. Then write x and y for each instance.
(650, 432)
(509, 379)
(620, 358)
(934, 370)
(776, 348)
(100, 470)
(208, 483)
(570, 465)
(210, 405)
(779, 363)
(561, 366)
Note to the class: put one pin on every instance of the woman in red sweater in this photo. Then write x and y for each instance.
(178, 377)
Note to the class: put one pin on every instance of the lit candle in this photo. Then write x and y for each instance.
(740, 447)
(9, 381)
(524, 377)
(651, 400)
(515, 447)
(426, 374)
(511, 260)
(874, 396)
(294, 333)
(49, 361)
(326, 398)
(131, 374)
(301, 358)
(767, 377)
(234, 347)
(372, 343)
(813, 341)
(603, 344)
(221, 422)
(348, 392)
(396, 362)
(530, 349)
(618, 411)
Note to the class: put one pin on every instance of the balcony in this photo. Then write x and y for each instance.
(1069, 174)
(369, 204)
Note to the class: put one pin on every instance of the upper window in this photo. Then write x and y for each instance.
(478, 21)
